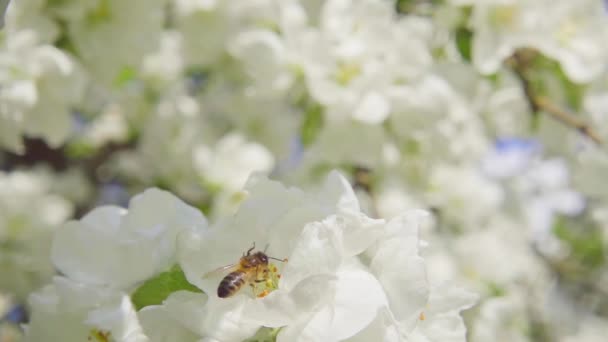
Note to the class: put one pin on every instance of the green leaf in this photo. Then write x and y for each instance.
(157, 289)
(585, 243)
(547, 73)
(126, 75)
(311, 126)
(495, 290)
(78, 149)
(100, 14)
(265, 335)
(464, 37)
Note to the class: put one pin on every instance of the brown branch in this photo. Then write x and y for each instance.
(566, 118)
(520, 62)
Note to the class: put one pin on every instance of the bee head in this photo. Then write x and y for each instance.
(262, 257)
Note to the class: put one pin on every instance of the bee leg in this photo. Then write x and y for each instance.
(253, 284)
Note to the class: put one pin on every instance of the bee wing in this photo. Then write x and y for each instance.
(220, 270)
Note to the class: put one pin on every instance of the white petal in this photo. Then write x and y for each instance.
(155, 211)
(160, 327)
(70, 311)
(401, 271)
(358, 296)
(373, 109)
(383, 329)
(119, 319)
(338, 191)
(318, 252)
(111, 246)
(567, 202)
(281, 307)
(443, 321)
(219, 318)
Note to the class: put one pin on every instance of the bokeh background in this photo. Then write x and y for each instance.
(490, 114)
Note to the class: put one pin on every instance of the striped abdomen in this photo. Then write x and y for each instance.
(231, 284)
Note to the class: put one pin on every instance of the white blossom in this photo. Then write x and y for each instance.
(25, 238)
(40, 84)
(69, 311)
(344, 272)
(562, 30)
(119, 248)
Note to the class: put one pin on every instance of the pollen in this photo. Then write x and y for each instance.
(99, 336)
(422, 317)
(270, 283)
(346, 72)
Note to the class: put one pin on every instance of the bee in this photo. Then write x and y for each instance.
(252, 268)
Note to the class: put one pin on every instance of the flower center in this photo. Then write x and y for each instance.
(346, 72)
(99, 336)
(567, 31)
(270, 284)
(504, 15)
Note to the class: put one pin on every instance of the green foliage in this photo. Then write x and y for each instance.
(157, 289)
(79, 149)
(125, 75)
(312, 123)
(547, 74)
(586, 244)
(408, 6)
(464, 38)
(265, 335)
(99, 14)
(495, 290)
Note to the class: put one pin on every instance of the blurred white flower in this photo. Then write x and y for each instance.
(432, 111)
(166, 65)
(115, 35)
(510, 157)
(208, 28)
(502, 239)
(592, 329)
(346, 143)
(347, 274)
(30, 15)
(25, 239)
(40, 83)
(502, 319)
(545, 192)
(69, 311)
(109, 127)
(569, 32)
(452, 188)
(231, 161)
(345, 53)
(264, 59)
(117, 247)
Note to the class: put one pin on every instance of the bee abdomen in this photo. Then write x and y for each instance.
(231, 284)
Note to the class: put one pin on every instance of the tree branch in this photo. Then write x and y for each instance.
(566, 118)
(520, 62)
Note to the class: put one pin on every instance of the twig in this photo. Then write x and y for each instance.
(566, 118)
(520, 62)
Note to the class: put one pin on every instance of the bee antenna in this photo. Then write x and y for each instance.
(266, 248)
(273, 258)
(250, 249)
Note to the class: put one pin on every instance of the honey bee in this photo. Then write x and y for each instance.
(252, 268)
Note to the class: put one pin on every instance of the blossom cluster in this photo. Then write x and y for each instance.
(347, 277)
(473, 134)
